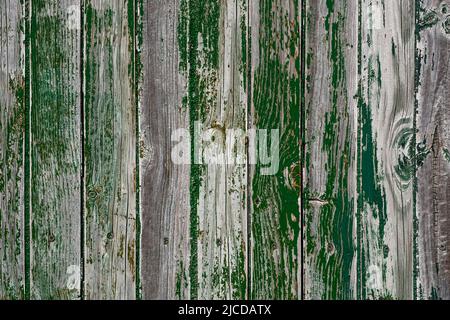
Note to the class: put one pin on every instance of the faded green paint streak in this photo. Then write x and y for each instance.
(55, 150)
(111, 171)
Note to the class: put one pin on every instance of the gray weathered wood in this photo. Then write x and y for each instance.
(110, 150)
(12, 133)
(433, 138)
(164, 196)
(55, 149)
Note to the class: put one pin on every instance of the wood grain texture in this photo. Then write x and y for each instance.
(275, 104)
(386, 150)
(433, 137)
(136, 144)
(330, 186)
(164, 196)
(222, 215)
(211, 37)
(110, 150)
(360, 150)
(12, 134)
(55, 148)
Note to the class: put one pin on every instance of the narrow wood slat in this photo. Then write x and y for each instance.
(330, 186)
(222, 215)
(275, 267)
(164, 192)
(12, 133)
(110, 150)
(386, 150)
(433, 149)
(210, 40)
(55, 149)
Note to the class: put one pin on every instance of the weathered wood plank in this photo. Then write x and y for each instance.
(212, 37)
(330, 186)
(433, 137)
(164, 192)
(55, 149)
(275, 186)
(110, 150)
(360, 162)
(12, 133)
(386, 150)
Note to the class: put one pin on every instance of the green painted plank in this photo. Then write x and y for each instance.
(275, 267)
(433, 145)
(12, 134)
(55, 149)
(110, 150)
(211, 40)
(164, 196)
(386, 150)
(330, 160)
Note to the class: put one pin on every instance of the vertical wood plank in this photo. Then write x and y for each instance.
(165, 197)
(110, 150)
(12, 133)
(433, 138)
(330, 186)
(55, 149)
(222, 215)
(211, 41)
(275, 104)
(386, 150)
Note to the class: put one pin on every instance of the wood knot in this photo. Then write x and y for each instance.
(330, 248)
(293, 176)
(446, 25)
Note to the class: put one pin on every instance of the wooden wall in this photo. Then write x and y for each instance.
(104, 193)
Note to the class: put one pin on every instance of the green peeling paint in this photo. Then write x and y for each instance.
(276, 213)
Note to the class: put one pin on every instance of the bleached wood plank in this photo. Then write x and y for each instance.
(386, 151)
(211, 36)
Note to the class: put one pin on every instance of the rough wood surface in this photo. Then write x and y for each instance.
(55, 149)
(387, 149)
(211, 41)
(275, 104)
(12, 134)
(360, 150)
(110, 150)
(136, 149)
(164, 196)
(433, 137)
(330, 192)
